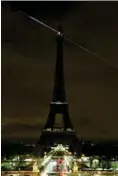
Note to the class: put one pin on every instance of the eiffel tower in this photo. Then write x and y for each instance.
(58, 128)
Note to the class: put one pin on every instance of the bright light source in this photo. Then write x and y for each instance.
(59, 33)
(53, 162)
(80, 160)
(99, 172)
(85, 159)
(28, 159)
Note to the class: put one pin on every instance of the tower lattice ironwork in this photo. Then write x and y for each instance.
(56, 132)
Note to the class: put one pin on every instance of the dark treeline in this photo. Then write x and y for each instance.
(108, 149)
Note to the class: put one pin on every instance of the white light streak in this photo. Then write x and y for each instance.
(71, 41)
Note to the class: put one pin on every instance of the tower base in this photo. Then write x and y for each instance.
(50, 139)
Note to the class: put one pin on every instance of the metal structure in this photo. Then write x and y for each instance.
(58, 128)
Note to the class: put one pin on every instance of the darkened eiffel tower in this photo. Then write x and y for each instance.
(58, 128)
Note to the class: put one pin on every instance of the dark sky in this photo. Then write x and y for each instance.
(28, 66)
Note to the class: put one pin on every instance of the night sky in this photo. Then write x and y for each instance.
(28, 67)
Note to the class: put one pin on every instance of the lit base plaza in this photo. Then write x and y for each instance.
(58, 161)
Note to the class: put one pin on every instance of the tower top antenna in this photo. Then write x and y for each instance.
(60, 30)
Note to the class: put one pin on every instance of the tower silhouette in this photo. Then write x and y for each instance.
(58, 128)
